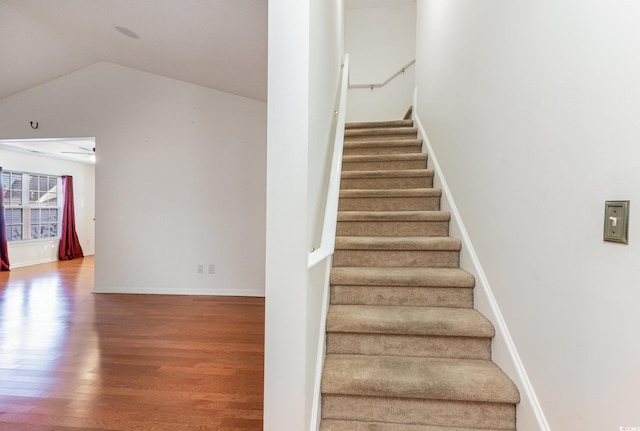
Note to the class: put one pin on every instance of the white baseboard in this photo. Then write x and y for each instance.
(32, 262)
(138, 290)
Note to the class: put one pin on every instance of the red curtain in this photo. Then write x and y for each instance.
(69, 245)
(4, 250)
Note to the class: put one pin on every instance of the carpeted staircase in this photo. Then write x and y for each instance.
(406, 351)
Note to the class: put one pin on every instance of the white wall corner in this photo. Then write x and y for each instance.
(530, 415)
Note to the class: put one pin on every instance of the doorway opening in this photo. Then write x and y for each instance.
(47, 159)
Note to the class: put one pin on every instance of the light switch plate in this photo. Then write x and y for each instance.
(616, 221)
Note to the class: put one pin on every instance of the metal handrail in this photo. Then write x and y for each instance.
(382, 84)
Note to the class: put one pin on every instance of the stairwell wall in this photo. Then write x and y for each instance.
(305, 50)
(380, 39)
(531, 108)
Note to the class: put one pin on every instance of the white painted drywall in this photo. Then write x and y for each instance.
(324, 75)
(32, 54)
(532, 110)
(380, 40)
(287, 216)
(25, 253)
(303, 35)
(325, 57)
(180, 176)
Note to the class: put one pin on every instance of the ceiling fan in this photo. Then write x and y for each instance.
(87, 151)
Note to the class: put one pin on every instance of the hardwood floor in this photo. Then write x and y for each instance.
(71, 360)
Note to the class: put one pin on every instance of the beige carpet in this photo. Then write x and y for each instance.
(406, 351)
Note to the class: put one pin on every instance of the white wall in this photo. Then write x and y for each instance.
(304, 66)
(179, 176)
(325, 52)
(532, 109)
(25, 253)
(380, 39)
(325, 57)
(287, 208)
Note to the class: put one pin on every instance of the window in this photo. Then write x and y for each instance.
(32, 208)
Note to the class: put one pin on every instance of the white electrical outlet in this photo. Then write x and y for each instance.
(200, 269)
(212, 268)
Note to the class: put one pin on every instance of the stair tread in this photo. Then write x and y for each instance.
(382, 143)
(375, 216)
(415, 377)
(416, 277)
(377, 193)
(397, 243)
(347, 425)
(389, 173)
(379, 131)
(372, 124)
(436, 321)
(383, 157)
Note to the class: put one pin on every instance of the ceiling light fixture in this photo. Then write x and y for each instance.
(126, 31)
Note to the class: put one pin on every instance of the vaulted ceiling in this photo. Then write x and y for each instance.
(220, 44)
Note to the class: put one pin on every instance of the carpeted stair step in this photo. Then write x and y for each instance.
(422, 199)
(403, 411)
(408, 331)
(339, 425)
(430, 287)
(384, 161)
(387, 179)
(435, 252)
(388, 146)
(405, 350)
(426, 391)
(393, 223)
(380, 133)
(372, 124)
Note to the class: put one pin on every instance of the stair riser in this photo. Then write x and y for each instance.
(378, 131)
(337, 425)
(397, 258)
(458, 297)
(383, 165)
(387, 183)
(423, 203)
(382, 137)
(375, 124)
(388, 228)
(409, 345)
(378, 150)
(419, 411)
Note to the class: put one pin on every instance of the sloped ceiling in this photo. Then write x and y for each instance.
(220, 44)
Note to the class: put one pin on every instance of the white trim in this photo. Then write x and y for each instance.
(32, 262)
(23, 243)
(317, 384)
(137, 290)
(523, 382)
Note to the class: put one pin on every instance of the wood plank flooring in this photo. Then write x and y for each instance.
(71, 360)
